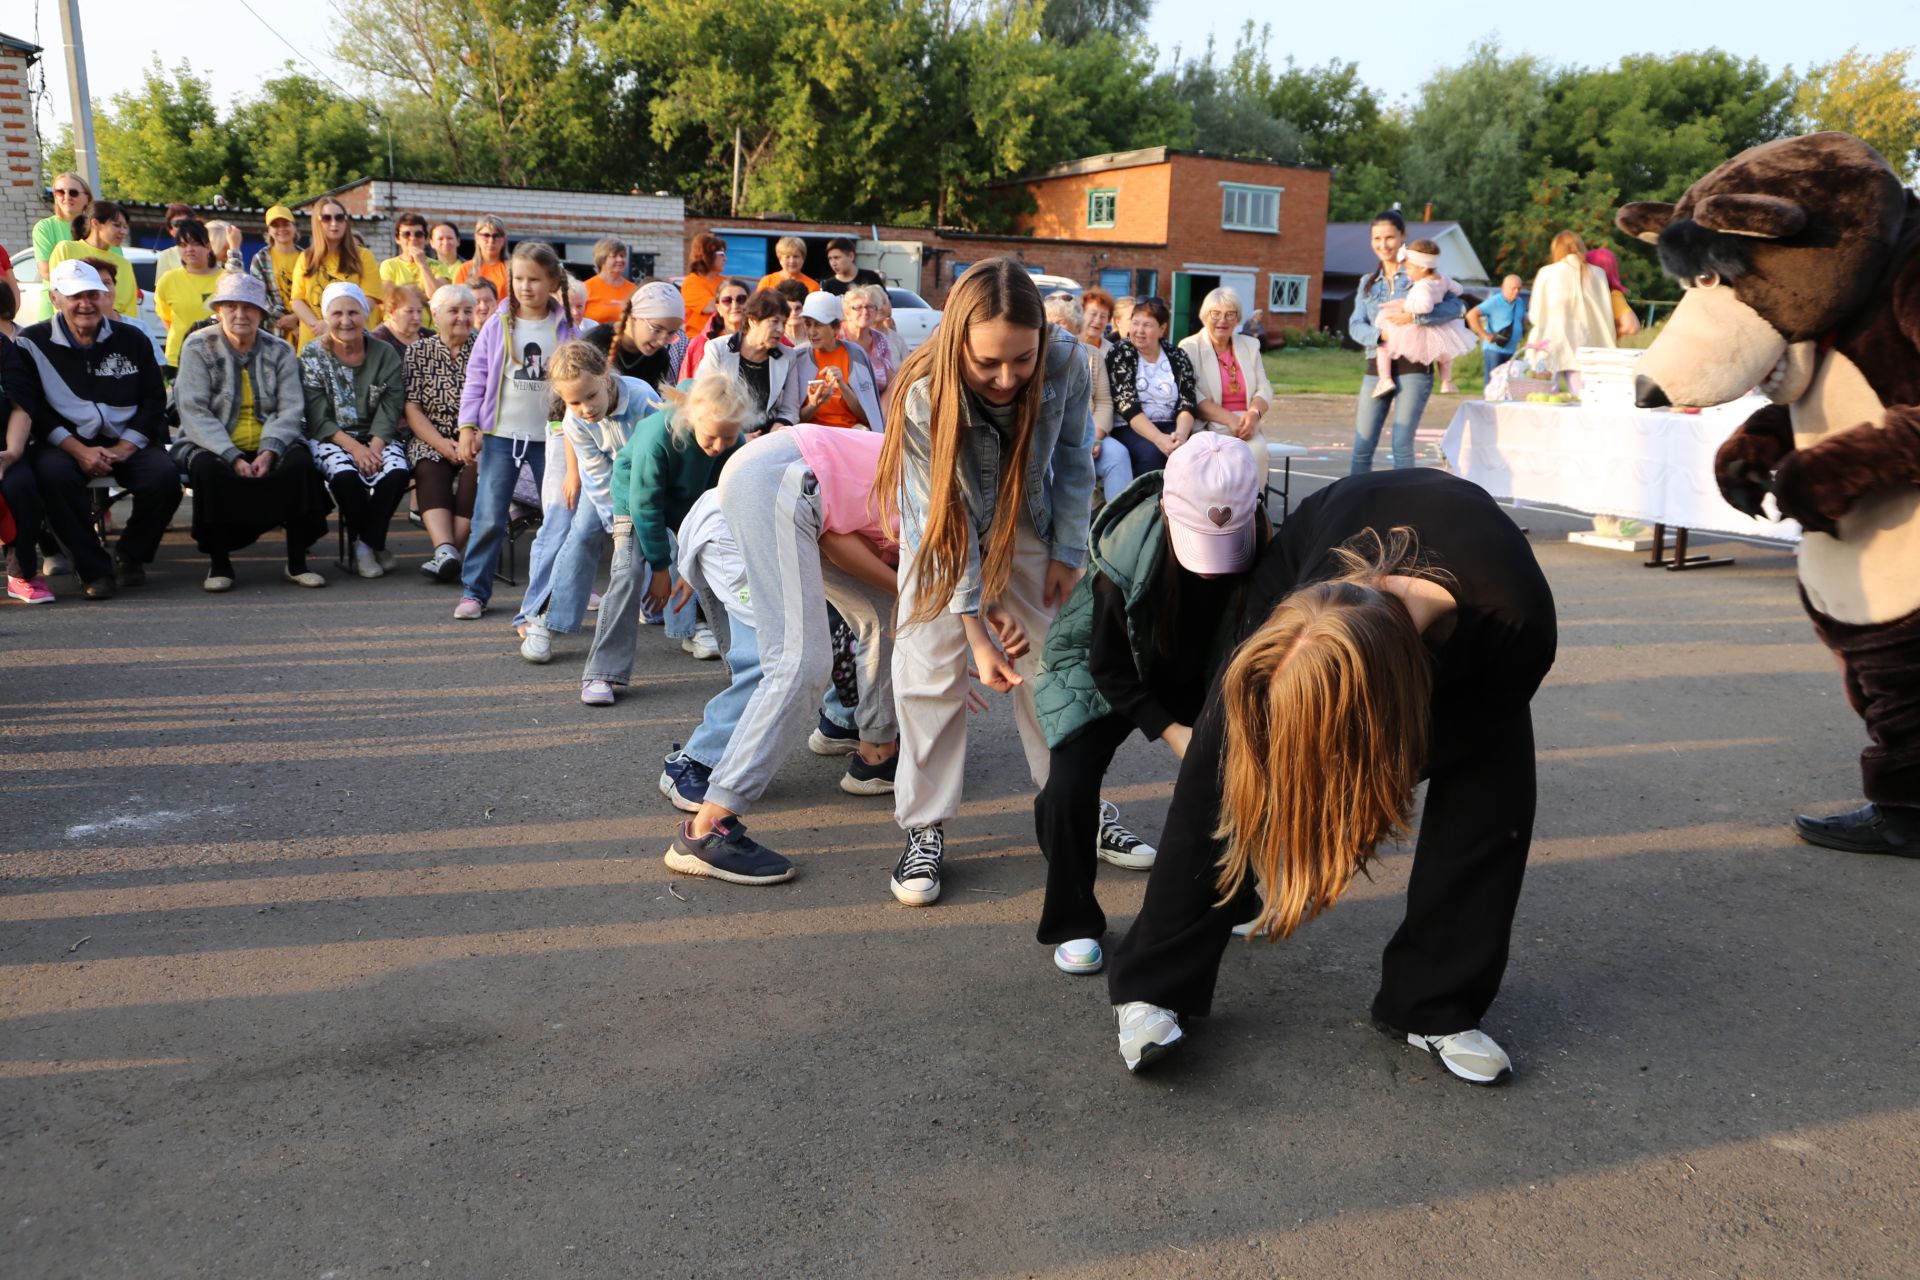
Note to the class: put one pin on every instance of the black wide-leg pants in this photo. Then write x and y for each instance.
(1066, 820)
(1442, 967)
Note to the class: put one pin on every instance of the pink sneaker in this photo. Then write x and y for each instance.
(468, 609)
(596, 693)
(29, 590)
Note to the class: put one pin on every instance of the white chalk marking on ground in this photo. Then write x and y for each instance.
(141, 821)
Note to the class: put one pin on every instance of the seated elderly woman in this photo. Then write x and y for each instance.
(443, 484)
(243, 415)
(1111, 463)
(1229, 377)
(1152, 385)
(859, 324)
(406, 311)
(354, 392)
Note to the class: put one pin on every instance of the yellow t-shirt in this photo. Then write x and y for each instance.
(397, 270)
(283, 264)
(246, 424)
(180, 297)
(126, 290)
(307, 287)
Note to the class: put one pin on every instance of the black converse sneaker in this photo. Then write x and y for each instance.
(1120, 846)
(916, 879)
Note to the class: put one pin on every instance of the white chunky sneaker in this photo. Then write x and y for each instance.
(1473, 1056)
(1148, 1033)
(1120, 846)
(537, 645)
(1078, 955)
(702, 644)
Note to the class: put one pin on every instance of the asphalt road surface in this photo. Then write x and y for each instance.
(335, 942)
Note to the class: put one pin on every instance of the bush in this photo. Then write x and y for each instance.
(1302, 339)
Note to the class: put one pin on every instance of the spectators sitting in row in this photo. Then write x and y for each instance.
(1231, 388)
(92, 392)
(1154, 398)
(609, 287)
(243, 418)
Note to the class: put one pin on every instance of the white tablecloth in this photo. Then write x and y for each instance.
(1646, 464)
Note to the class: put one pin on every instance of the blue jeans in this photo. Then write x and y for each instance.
(561, 569)
(1409, 400)
(1494, 359)
(493, 489)
(1113, 468)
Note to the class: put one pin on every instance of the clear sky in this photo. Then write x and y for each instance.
(1395, 53)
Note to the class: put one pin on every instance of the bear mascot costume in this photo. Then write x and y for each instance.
(1800, 261)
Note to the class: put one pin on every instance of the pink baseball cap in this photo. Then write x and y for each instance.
(1210, 494)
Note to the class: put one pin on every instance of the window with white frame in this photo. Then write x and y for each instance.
(1287, 293)
(1102, 206)
(1247, 208)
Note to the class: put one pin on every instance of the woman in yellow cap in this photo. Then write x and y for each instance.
(273, 264)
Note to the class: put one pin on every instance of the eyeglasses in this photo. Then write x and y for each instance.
(733, 300)
(68, 191)
(489, 235)
(413, 233)
(333, 217)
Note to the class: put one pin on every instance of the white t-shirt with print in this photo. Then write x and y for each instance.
(523, 389)
(1157, 389)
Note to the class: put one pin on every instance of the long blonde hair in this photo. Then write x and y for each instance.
(994, 289)
(1327, 707)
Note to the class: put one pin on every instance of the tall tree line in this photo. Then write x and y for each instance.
(912, 111)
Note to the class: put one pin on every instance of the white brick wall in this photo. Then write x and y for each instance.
(571, 220)
(23, 195)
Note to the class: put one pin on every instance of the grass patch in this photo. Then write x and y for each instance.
(1337, 372)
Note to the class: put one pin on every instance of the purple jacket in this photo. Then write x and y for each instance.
(480, 395)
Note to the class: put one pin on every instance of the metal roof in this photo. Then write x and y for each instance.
(1349, 249)
(24, 46)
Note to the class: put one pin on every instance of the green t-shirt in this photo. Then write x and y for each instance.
(47, 233)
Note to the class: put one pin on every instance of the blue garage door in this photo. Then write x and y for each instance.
(747, 255)
(1117, 281)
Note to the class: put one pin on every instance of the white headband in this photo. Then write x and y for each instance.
(1419, 259)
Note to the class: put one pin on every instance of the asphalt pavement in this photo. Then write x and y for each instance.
(335, 941)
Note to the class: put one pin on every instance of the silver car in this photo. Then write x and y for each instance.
(34, 306)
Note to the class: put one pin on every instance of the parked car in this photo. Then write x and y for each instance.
(1050, 285)
(34, 306)
(913, 315)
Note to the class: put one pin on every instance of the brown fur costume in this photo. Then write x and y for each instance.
(1801, 259)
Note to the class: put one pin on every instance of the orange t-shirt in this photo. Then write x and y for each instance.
(836, 412)
(606, 301)
(493, 272)
(773, 278)
(698, 292)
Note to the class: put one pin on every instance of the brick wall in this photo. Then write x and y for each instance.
(1140, 204)
(23, 195)
(1197, 236)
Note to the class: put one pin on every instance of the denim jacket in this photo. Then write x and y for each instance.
(1363, 326)
(598, 444)
(1059, 480)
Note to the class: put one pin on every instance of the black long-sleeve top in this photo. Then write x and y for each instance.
(1175, 687)
(1501, 642)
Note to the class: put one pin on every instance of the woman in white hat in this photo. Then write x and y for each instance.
(243, 413)
(355, 390)
(831, 382)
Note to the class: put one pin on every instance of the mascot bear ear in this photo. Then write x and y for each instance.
(1644, 219)
(1762, 217)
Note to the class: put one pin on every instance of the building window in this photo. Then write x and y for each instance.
(960, 269)
(1287, 294)
(1115, 280)
(1101, 207)
(1146, 282)
(1244, 208)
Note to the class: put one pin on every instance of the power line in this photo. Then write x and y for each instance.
(301, 54)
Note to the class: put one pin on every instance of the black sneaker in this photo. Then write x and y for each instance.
(831, 740)
(1120, 846)
(98, 589)
(128, 574)
(916, 878)
(1872, 828)
(727, 853)
(863, 779)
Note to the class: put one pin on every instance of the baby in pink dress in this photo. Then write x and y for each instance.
(1434, 344)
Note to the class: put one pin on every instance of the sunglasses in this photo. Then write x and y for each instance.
(333, 217)
(413, 233)
(734, 300)
(68, 191)
(488, 235)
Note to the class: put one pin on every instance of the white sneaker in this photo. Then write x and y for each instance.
(1473, 1056)
(1120, 846)
(365, 563)
(1079, 955)
(1148, 1033)
(702, 644)
(386, 559)
(537, 645)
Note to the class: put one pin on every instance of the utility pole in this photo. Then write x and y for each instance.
(735, 212)
(86, 159)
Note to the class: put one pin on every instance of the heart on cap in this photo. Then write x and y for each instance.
(1220, 516)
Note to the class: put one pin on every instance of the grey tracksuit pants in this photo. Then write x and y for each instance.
(771, 501)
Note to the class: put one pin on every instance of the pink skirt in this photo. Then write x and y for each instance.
(1426, 343)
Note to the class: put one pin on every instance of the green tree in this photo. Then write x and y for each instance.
(1231, 105)
(1874, 99)
(1340, 120)
(162, 141)
(297, 137)
(1468, 139)
(1071, 22)
(1561, 200)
